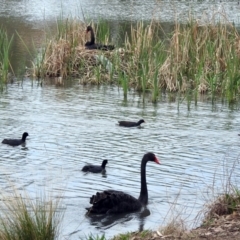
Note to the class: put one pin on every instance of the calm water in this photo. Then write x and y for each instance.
(75, 125)
(164, 10)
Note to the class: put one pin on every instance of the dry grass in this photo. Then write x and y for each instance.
(224, 205)
(64, 55)
(174, 228)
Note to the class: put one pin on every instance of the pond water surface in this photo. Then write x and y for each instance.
(121, 10)
(74, 125)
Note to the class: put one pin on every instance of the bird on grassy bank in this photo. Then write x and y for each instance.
(92, 45)
(111, 201)
(95, 168)
(130, 124)
(16, 142)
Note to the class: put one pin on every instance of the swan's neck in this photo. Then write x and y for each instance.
(143, 198)
(92, 37)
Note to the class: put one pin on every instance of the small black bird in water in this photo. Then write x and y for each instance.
(130, 124)
(95, 168)
(16, 142)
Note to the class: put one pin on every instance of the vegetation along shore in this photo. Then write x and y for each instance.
(193, 59)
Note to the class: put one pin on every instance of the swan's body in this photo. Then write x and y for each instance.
(95, 168)
(16, 142)
(130, 124)
(112, 201)
(92, 45)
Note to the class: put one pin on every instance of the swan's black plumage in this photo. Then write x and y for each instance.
(92, 45)
(95, 168)
(130, 124)
(111, 201)
(16, 142)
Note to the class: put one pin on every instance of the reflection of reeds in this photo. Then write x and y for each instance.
(24, 218)
(5, 44)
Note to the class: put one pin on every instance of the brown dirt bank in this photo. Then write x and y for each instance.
(223, 227)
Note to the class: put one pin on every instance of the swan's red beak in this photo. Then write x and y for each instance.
(157, 160)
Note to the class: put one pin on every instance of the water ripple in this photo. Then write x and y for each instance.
(70, 127)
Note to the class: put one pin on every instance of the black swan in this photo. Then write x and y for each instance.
(111, 201)
(95, 168)
(130, 124)
(16, 142)
(92, 45)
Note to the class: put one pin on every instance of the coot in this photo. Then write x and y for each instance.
(16, 142)
(95, 168)
(130, 124)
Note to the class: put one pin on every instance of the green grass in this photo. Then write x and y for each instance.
(24, 218)
(91, 237)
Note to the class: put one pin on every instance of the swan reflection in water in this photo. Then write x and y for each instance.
(103, 221)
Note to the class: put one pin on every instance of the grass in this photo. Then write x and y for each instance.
(224, 205)
(5, 45)
(134, 235)
(226, 202)
(91, 237)
(24, 218)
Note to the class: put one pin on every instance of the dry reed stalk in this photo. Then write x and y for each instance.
(65, 55)
(189, 55)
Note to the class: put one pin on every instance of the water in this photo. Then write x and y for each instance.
(74, 125)
(165, 11)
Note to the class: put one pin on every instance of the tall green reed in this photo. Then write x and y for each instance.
(124, 83)
(147, 55)
(102, 32)
(204, 58)
(5, 45)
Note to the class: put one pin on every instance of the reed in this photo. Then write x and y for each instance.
(143, 59)
(5, 45)
(204, 58)
(194, 59)
(102, 31)
(124, 84)
(24, 218)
